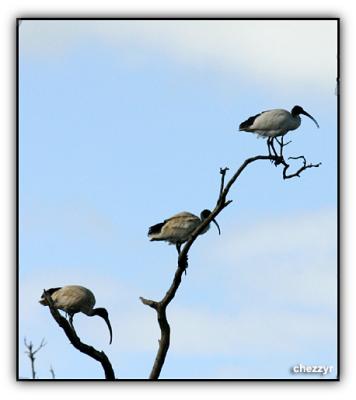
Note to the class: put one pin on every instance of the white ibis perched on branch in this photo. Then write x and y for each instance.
(74, 299)
(178, 229)
(273, 123)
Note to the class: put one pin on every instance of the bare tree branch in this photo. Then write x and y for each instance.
(223, 173)
(300, 170)
(222, 202)
(51, 370)
(31, 354)
(90, 351)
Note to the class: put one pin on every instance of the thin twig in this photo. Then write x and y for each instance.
(51, 370)
(223, 173)
(31, 354)
(299, 171)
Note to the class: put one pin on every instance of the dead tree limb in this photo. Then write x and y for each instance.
(31, 354)
(222, 202)
(90, 351)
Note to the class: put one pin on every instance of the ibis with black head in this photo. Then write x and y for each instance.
(273, 123)
(74, 299)
(179, 228)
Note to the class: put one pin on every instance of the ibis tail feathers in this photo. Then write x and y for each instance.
(248, 123)
(52, 290)
(155, 229)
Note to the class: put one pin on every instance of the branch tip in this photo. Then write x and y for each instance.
(224, 170)
(149, 303)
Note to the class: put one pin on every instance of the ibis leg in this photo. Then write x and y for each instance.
(277, 161)
(281, 144)
(273, 148)
(271, 153)
(269, 146)
(71, 321)
(178, 245)
(185, 263)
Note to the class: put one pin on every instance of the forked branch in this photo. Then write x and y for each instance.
(222, 202)
(31, 352)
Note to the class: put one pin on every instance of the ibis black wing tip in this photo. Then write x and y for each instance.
(155, 229)
(244, 125)
(249, 122)
(52, 290)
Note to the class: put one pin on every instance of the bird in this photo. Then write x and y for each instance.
(74, 299)
(273, 123)
(178, 228)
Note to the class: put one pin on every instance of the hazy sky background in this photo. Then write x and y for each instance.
(125, 123)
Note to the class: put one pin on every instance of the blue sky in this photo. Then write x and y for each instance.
(123, 124)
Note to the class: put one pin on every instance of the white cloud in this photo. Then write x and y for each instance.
(289, 259)
(269, 52)
(248, 331)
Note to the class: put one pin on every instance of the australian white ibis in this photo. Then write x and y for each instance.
(273, 123)
(74, 299)
(178, 229)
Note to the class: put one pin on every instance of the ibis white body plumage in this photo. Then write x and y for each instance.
(178, 228)
(273, 123)
(74, 299)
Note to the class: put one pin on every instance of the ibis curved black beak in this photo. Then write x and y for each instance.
(105, 316)
(109, 326)
(205, 214)
(217, 225)
(312, 118)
